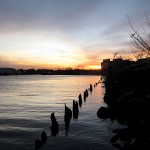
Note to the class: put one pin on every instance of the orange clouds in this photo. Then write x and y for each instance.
(83, 59)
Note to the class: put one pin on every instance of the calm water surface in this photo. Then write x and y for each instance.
(26, 103)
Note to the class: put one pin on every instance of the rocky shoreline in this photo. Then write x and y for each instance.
(128, 99)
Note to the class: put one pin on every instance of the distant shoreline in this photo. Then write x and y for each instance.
(53, 74)
(12, 71)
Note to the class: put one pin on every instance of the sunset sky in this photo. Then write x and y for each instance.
(66, 33)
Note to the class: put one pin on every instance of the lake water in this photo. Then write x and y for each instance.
(27, 101)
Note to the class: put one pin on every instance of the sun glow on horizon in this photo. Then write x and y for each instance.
(93, 67)
(37, 50)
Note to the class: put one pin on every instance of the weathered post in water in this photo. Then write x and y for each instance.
(54, 126)
(75, 109)
(67, 116)
(80, 100)
(91, 88)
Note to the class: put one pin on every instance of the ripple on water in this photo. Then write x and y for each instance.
(29, 101)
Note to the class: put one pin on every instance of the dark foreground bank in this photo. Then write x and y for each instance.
(128, 98)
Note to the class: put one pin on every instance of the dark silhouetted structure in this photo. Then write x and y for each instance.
(8, 71)
(75, 109)
(43, 137)
(80, 100)
(54, 126)
(127, 94)
(67, 116)
(85, 94)
(91, 88)
(38, 144)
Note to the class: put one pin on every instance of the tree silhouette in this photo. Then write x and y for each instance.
(140, 40)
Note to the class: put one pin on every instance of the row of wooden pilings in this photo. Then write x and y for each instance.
(67, 117)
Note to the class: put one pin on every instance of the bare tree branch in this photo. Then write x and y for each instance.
(141, 44)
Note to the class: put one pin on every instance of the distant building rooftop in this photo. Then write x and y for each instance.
(7, 71)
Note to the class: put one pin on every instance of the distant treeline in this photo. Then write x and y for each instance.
(58, 72)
